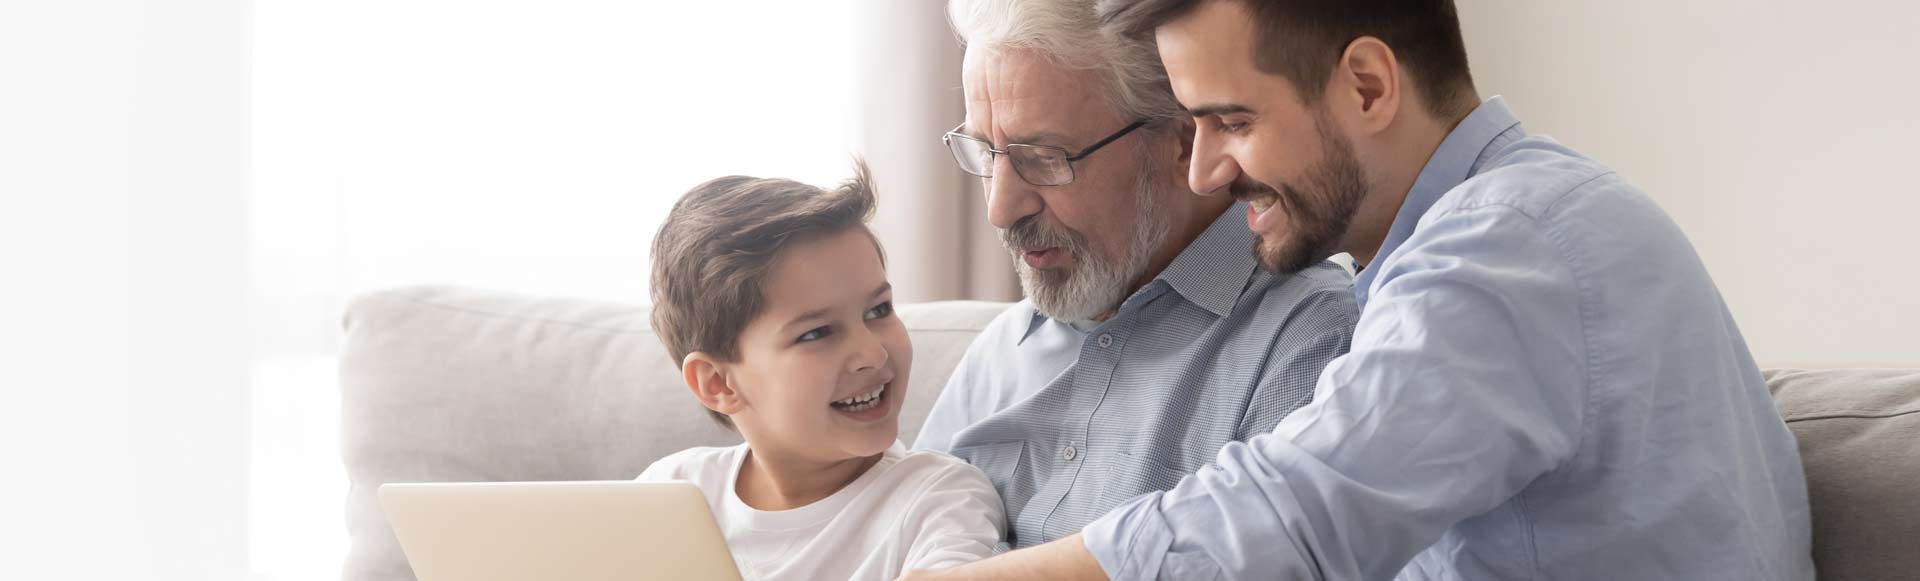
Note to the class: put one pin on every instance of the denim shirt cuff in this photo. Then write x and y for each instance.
(1130, 541)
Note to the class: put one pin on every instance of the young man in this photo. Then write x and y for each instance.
(1544, 383)
(772, 296)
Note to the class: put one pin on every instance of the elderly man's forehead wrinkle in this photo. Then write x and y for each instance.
(1017, 95)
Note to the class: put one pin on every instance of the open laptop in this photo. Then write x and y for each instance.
(580, 531)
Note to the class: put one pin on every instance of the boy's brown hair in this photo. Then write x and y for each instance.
(712, 256)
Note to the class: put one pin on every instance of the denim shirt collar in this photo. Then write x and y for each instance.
(1458, 158)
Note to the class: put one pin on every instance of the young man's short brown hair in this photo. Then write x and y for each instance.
(712, 256)
(1302, 40)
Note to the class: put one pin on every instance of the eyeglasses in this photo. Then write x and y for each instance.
(1040, 165)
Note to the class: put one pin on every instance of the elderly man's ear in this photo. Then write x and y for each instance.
(1180, 141)
(708, 379)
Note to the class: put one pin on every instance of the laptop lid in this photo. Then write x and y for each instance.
(584, 531)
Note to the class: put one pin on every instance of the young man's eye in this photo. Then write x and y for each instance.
(815, 334)
(1233, 128)
(880, 311)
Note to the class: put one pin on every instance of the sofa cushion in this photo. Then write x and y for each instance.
(445, 384)
(1859, 433)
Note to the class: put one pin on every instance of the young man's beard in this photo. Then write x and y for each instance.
(1093, 284)
(1318, 213)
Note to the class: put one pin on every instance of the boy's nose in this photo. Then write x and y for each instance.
(869, 352)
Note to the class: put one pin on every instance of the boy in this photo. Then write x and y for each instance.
(772, 296)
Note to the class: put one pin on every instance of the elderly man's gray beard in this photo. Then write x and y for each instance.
(1094, 284)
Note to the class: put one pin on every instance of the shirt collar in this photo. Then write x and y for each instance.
(1212, 271)
(1459, 157)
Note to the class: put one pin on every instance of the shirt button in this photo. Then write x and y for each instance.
(1106, 340)
(1070, 453)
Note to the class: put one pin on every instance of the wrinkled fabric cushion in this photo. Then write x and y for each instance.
(444, 384)
(1859, 432)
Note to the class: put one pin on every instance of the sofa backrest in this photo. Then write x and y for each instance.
(1859, 433)
(445, 384)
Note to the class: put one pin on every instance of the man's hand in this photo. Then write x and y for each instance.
(1065, 559)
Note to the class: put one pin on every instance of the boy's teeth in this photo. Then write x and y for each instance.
(1260, 204)
(862, 398)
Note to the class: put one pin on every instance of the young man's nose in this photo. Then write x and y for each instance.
(1211, 168)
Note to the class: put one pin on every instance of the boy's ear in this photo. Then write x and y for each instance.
(707, 378)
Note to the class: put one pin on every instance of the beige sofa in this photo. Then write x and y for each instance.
(444, 384)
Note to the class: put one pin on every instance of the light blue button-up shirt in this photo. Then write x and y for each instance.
(1069, 419)
(1544, 384)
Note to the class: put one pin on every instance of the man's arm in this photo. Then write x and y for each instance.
(1467, 381)
(1066, 559)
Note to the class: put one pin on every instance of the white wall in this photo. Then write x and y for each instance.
(122, 281)
(1780, 135)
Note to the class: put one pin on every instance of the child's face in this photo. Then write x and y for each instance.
(827, 343)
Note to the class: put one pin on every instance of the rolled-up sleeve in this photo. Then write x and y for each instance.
(1467, 380)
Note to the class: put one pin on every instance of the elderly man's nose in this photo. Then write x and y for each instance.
(1009, 198)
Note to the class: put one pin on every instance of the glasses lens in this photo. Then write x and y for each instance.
(1041, 165)
(971, 154)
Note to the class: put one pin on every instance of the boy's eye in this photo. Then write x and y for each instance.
(880, 311)
(815, 334)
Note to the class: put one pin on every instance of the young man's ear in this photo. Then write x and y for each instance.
(1369, 79)
(707, 378)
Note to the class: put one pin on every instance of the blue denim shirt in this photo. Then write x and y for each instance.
(1544, 384)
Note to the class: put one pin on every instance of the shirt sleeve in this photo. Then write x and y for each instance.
(1319, 329)
(1467, 381)
(966, 398)
(957, 520)
(663, 469)
(950, 412)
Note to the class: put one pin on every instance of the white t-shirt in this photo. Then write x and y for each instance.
(911, 510)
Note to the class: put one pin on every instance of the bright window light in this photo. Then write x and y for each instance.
(515, 145)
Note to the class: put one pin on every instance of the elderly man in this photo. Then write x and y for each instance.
(1544, 383)
(1150, 338)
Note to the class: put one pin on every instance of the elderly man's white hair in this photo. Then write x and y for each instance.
(1068, 33)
